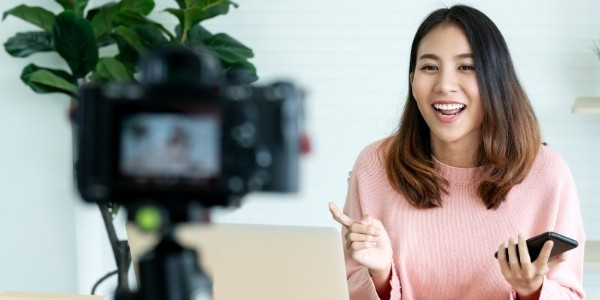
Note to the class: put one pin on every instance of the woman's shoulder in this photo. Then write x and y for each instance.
(369, 168)
(375, 151)
(550, 161)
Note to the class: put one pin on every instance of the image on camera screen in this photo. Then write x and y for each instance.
(170, 148)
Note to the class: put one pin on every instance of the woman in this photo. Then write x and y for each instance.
(464, 176)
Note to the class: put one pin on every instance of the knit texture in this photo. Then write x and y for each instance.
(448, 252)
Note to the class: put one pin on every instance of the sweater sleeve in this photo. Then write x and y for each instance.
(564, 281)
(360, 285)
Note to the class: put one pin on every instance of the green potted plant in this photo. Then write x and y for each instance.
(78, 33)
(123, 31)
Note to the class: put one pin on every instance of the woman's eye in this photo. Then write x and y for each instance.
(429, 68)
(466, 68)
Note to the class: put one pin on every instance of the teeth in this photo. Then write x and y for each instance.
(452, 106)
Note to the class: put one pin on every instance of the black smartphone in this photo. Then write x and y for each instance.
(535, 244)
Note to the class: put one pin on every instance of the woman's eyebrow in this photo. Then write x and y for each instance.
(429, 56)
(435, 57)
(465, 55)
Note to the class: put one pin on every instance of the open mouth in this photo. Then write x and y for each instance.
(450, 110)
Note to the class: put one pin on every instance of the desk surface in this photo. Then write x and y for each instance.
(45, 296)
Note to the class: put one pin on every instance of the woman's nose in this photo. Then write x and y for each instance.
(447, 81)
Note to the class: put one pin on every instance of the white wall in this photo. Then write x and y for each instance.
(37, 209)
(352, 58)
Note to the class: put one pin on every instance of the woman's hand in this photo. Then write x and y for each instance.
(367, 242)
(524, 276)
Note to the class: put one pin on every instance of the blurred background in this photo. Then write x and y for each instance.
(352, 59)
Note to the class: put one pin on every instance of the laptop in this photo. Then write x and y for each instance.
(262, 262)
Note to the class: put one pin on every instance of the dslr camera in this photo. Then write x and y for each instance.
(187, 134)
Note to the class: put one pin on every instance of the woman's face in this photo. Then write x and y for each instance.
(445, 87)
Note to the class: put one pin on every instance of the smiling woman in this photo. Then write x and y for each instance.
(465, 175)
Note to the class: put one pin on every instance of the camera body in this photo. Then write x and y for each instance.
(186, 134)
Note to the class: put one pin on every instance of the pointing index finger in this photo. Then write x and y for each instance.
(339, 216)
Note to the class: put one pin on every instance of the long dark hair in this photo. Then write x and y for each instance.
(510, 132)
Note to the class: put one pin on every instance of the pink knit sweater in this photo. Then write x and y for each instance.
(448, 252)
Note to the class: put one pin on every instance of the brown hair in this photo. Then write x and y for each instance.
(510, 132)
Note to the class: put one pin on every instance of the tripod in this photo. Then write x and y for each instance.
(169, 271)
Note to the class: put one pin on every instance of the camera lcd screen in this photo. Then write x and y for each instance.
(166, 149)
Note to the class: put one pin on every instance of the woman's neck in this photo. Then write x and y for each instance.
(462, 155)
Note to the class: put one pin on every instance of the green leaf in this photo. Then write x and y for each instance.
(228, 49)
(91, 13)
(131, 38)
(106, 41)
(213, 8)
(110, 69)
(24, 44)
(132, 42)
(52, 83)
(45, 80)
(75, 41)
(193, 12)
(48, 81)
(35, 15)
(152, 37)
(143, 7)
(128, 56)
(242, 72)
(131, 19)
(196, 35)
(181, 3)
(195, 3)
(102, 20)
(76, 6)
(31, 68)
